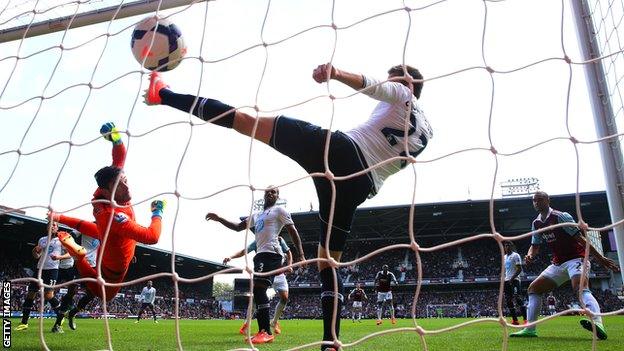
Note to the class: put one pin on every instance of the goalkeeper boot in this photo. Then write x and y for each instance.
(71, 246)
(152, 94)
(524, 333)
(601, 333)
(22, 327)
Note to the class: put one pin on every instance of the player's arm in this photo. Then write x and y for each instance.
(61, 257)
(604, 261)
(36, 251)
(394, 279)
(230, 225)
(294, 235)
(109, 132)
(390, 91)
(517, 266)
(125, 227)
(534, 249)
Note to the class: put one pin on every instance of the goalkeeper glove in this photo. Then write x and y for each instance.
(158, 206)
(110, 133)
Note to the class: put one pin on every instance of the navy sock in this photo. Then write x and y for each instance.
(262, 309)
(28, 304)
(205, 109)
(327, 303)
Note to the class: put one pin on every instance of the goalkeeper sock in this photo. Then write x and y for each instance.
(535, 304)
(327, 303)
(205, 109)
(28, 304)
(590, 302)
(262, 309)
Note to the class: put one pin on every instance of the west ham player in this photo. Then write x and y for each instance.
(383, 283)
(47, 252)
(568, 248)
(358, 296)
(513, 268)
(119, 222)
(551, 302)
(280, 284)
(148, 296)
(396, 127)
(267, 225)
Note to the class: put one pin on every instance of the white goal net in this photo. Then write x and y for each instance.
(504, 89)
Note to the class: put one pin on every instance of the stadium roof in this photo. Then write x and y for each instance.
(19, 228)
(450, 220)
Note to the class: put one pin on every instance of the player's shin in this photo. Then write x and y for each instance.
(327, 303)
(535, 304)
(590, 301)
(262, 309)
(28, 304)
(204, 108)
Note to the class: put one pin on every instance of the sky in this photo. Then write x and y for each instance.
(533, 96)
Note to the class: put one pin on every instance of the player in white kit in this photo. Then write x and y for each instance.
(267, 225)
(148, 296)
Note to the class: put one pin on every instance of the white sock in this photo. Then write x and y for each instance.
(380, 312)
(535, 304)
(590, 301)
(279, 309)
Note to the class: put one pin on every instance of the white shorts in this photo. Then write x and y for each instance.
(565, 271)
(384, 296)
(357, 304)
(551, 307)
(280, 283)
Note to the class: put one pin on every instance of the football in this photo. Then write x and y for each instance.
(157, 44)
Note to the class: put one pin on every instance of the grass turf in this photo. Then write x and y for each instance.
(562, 333)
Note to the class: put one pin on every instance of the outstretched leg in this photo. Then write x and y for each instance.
(210, 110)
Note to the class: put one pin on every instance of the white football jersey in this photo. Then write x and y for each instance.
(511, 261)
(66, 263)
(267, 226)
(148, 295)
(90, 244)
(54, 249)
(382, 136)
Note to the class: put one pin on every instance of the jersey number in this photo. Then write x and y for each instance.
(392, 134)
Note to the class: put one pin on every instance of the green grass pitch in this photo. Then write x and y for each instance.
(562, 333)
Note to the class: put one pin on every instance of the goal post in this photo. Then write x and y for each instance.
(76, 20)
(602, 108)
(459, 310)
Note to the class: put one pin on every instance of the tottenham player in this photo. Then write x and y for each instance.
(67, 273)
(567, 244)
(513, 268)
(396, 127)
(47, 252)
(383, 284)
(267, 225)
(358, 296)
(148, 296)
(280, 284)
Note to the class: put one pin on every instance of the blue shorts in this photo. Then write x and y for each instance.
(304, 143)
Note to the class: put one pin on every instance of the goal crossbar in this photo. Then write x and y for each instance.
(90, 17)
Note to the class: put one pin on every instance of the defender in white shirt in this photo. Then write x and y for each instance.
(148, 296)
(48, 253)
(395, 133)
(267, 225)
(513, 268)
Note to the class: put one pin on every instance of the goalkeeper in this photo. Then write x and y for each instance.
(397, 127)
(118, 221)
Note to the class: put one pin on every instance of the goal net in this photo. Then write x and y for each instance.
(447, 311)
(501, 94)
